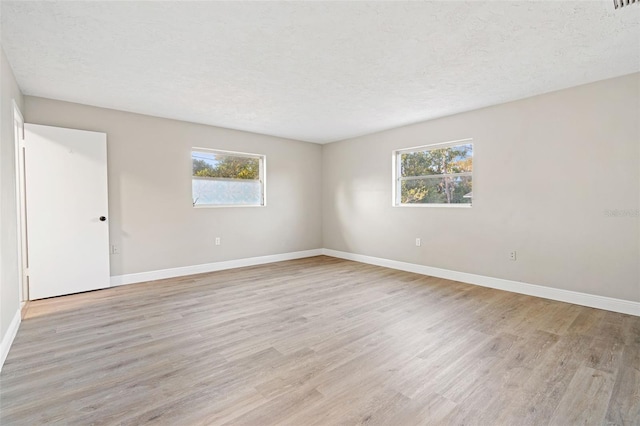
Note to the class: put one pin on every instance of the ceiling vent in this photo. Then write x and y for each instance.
(622, 3)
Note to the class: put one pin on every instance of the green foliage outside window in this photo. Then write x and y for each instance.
(230, 167)
(437, 176)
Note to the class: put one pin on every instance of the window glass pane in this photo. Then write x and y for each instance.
(226, 192)
(208, 164)
(455, 159)
(437, 190)
(226, 179)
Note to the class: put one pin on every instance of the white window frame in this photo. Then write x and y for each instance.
(262, 173)
(397, 179)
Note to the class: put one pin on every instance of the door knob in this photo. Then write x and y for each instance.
(102, 218)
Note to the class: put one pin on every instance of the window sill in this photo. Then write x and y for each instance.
(455, 206)
(227, 206)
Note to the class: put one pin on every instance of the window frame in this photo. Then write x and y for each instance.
(396, 192)
(262, 175)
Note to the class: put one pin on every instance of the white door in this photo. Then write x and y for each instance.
(66, 194)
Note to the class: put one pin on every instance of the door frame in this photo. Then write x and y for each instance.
(21, 208)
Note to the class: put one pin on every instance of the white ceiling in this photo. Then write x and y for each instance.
(313, 71)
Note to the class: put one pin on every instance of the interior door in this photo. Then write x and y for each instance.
(66, 203)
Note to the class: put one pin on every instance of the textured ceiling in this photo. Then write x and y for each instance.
(313, 71)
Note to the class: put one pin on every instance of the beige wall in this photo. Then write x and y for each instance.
(150, 209)
(546, 170)
(9, 295)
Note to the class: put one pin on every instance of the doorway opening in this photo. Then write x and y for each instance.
(21, 206)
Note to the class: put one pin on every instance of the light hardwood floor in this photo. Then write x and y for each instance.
(319, 341)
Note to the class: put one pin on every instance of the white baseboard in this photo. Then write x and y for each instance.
(7, 340)
(117, 280)
(577, 298)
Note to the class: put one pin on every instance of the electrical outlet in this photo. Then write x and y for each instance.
(115, 249)
(512, 255)
(217, 241)
(418, 242)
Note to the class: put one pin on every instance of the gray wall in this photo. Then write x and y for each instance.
(150, 207)
(546, 170)
(9, 294)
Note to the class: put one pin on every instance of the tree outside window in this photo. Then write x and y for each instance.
(436, 174)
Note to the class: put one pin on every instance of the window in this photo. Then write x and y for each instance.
(440, 175)
(224, 178)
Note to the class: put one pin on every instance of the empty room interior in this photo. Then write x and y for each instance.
(320, 213)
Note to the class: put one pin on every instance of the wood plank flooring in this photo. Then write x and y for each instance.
(319, 341)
